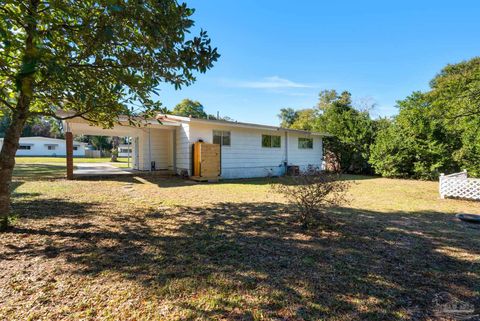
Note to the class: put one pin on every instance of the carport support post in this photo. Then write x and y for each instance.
(69, 145)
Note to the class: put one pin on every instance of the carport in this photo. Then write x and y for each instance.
(153, 146)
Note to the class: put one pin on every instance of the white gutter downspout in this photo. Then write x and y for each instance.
(286, 151)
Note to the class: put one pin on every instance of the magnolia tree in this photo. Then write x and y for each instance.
(95, 59)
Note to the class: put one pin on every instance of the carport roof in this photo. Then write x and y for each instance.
(122, 128)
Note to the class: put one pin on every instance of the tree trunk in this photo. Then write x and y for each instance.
(115, 143)
(19, 116)
(7, 158)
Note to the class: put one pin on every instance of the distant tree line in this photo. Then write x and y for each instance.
(434, 132)
(36, 126)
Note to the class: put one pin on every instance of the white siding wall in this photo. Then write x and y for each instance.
(135, 152)
(159, 141)
(80, 152)
(39, 147)
(304, 157)
(183, 149)
(245, 157)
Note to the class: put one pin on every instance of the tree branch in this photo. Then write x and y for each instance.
(51, 114)
(12, 16)
(465, 114)
(7, 104)
(98, 66)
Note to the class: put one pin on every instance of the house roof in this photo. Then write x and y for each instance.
(173, 120)
(166, 117)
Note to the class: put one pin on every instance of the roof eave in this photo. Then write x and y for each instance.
(257, 126)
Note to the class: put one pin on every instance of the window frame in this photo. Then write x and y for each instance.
(308, 140)
(223, 134)
(270, 138)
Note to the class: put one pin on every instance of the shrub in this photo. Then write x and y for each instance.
(114, 155)
(312, 192)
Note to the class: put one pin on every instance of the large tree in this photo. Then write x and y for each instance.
(416, 144)
(455, 98)
(189, 108)
(455, 91)
(287, 117)
(96, 59)
(306, 119)
(352, 130)
(435, 131)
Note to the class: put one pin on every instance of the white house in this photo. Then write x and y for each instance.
(44, 146)
(247, 150)
(124, 150)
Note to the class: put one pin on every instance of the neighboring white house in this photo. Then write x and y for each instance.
(124, 150)
(247, 150)
(44, 146)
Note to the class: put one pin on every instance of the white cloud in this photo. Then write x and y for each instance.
(273, 82)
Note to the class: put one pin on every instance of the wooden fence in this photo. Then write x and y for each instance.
(93, 153)
(458, 185)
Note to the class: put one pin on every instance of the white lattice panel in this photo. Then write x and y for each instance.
(460, 186)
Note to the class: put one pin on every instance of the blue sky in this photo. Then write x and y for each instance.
(280, 53)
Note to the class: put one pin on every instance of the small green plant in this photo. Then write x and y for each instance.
(8, 221)
(312, 192)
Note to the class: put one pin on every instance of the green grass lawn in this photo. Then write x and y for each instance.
(50, 160)
(23, 160)
(54, 167)
(39, 170)
(145, 248)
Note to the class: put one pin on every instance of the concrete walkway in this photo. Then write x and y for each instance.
(99, 169)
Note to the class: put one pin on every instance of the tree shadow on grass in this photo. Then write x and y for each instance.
(175, 181)
(39, 171)
(232, 259)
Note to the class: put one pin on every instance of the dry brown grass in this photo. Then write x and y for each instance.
(146, 248)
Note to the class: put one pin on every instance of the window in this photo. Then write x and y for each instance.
(221, 137)
(51, 147)
(305, 143)
(25, 147)
(270, 141)
(125, 150)
(75, 147)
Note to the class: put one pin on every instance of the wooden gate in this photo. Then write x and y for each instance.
(206, 160)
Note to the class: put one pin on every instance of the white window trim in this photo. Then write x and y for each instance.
(298, 142)
(261, 141)
(221, 139)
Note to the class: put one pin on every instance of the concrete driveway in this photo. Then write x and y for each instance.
(99, 169)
